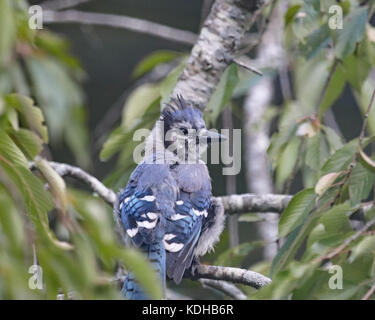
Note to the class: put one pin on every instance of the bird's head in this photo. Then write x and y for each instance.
(185, 132)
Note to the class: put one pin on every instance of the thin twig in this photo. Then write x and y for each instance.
(64, 169)
(355, 156)
(348, 241)
(225, 287)
(369, 293)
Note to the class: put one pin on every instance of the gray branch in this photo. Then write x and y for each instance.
(121, 21)
(215, 49)
(235, 275)
(66, 170)
(249, 202)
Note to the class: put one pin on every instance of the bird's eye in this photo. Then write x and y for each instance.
(184, 131)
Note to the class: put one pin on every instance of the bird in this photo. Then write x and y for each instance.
(166, 209)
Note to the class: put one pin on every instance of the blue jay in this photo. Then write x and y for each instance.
(166, 208)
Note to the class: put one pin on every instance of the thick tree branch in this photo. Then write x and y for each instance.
(235, 275)
(249, 202)
(216, 48)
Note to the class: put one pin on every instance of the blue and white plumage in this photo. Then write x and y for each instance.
(166, 208)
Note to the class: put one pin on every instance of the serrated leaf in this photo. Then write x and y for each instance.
(27, 141)
(360, 183)
(325, 182)
(341, 158)
(317, 151)
(336, 219)
(352, 33)
(296, 211)
(10, 151)
(365, 246)
(32, 114)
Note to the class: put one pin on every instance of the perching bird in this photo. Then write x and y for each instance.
(166, 208)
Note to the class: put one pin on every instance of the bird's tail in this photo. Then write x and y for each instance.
(156, 255)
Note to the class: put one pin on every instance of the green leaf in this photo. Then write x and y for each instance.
(27, 141)
(341, 158)
(315, 42)
(365, 246)
(117, 140)
(352, 33)
(317, 151)
(287, 161)
(152, 60)
(10, 152)
(234, 256)
(7, 30)
(325, 182)
(223, 93)
(336, 219)
(296, 211)
(293, 242)
(138, 102)
(290, 14)
(360, 183)
(334, 90)
(122, 138)
(56, 183)
(33, 115)
(304, 24)
(168, 84)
